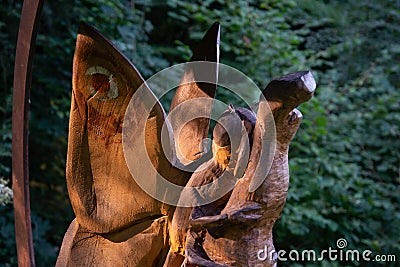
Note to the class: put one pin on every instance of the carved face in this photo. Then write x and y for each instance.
(232, 121)
(232, 136)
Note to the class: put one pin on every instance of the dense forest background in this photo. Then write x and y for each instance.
(344, 161)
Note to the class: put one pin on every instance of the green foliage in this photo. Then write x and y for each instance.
(6, 193)
(344, 160)
(8, 29)
(256, 36)
(45, 252)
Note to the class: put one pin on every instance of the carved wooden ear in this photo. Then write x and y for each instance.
(198, 81)
(208, 47)
(104, 82)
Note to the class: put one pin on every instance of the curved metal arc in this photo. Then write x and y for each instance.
(28, 27)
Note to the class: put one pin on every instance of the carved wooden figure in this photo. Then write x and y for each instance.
(118, 224)
(244, 226)
(234, 120)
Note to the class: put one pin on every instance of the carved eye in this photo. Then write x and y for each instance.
(103, 82)
(100, 83)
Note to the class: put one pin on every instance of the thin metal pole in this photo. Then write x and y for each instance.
(28, 27)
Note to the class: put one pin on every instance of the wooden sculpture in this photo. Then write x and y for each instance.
(117, 223)
(235, 239)
(233, 119)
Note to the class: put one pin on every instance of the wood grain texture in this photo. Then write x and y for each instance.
(189, 140)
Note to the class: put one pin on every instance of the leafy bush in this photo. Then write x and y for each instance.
(5, 193)
(345, 159)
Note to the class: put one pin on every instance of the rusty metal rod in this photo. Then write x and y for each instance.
(28, 27)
